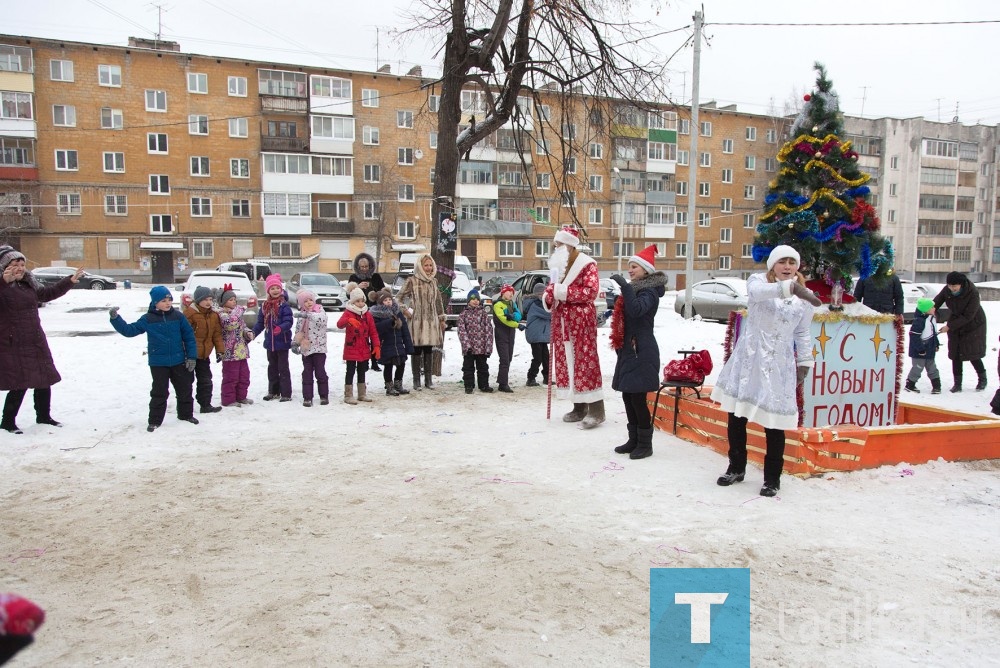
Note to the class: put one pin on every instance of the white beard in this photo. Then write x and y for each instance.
(558, 262)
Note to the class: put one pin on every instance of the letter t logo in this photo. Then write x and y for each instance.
(701, 613)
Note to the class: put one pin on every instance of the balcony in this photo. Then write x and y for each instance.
(284, 105)
(332, 226)
(660, 197)
(19, 221)
(494, 228)
(289, 144)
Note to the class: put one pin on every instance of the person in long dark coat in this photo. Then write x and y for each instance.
(966, 328)
(881, 293)
(25, 360)
(637, 371)
(370, 282)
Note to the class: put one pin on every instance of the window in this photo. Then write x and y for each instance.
(239, 168)
(967, 151)
(682, 187)
(542, 248)
(962, 253)
(704, 189)
(331, 87)
(282, 129)
(203, 249)
(625, 250)
(511, 175)
(725, 262)
(16, 105)
(17, 151)
(109, 75)
(473, 101)
(702, 250)
(770, 164)
(329, 166)
(933, 252)
(727, 176)
(197, 83)
(117, 249)
(61, 70)
(749, 192)
(431, 176)
(237, 86)
(112, 119)
(543, 147)
(937, 176)
(406, 229)
(963, 227)
(543, 214)
(373, 173)
(372, 210)
(335, 210)
(749, 220)
(404, 156)
(750, 162)
(704, 219)
(727, 205)
(684, 126)
(596, 249)
(771, 136)
(159, 184)
(596, 216)
(682, 157)
(596, 151)
(66, 161)
(939, 202)
(892, 190)
(238, 127)
(404, 119)
(281, 83)
(596, 183)
(287, 204)
(199, 166)
(941, 149)
(68, 204)
(201, 207)
(727, 145)
(746, 250)
(510, 248)
(156, 142)
(569, 198)
(433, 103)
(570, 165)
(160, 223)
(894, 162)
(405, 193)
(706, 128)
(369, 135)
(64, 115)
(656, 150)
(890, 216)
(751, 134)
(726, 235)
(432, 140)
(680, 250)
(569, 131)
(659, 215)
(240, 208)
(156, 100)
(197, 124)
(705, 159)
(544, 112)
(114, 162)
(116, 205)
(286, 249)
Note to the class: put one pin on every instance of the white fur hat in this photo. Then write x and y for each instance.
(780, 253)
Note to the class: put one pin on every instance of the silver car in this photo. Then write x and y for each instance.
(329, 293)
(714, 299)
(216, 281)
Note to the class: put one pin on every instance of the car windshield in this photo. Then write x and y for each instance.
(240, 283)
(319, 279)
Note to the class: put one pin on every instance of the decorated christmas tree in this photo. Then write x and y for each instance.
(818, 204)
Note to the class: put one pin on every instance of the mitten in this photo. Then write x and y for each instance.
(396, 323)
(113, 312)
(377, 352)
(276, 330)
(521, 326)
(248, 336)
(805, 294)
(619, 279)
(218, 357)
(800, 374)
(353, 324)
(296, 349)
(189, 364)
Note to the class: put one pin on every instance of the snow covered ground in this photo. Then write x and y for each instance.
(442, 529)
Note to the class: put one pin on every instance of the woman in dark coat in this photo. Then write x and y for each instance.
(25, 360)
(370, 283)
(637, 371)
(966, 328)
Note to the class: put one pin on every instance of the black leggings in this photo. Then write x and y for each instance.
(956, 369)
(387, 365)
(774, 460)
(360, 367)
(636, 409)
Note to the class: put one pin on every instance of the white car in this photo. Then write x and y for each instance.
(714, 299)
(911, 293)
(216, 281)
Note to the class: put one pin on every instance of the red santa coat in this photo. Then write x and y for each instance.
(361, 338)
(574, 333)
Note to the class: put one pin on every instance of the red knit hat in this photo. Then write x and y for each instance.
(505, 288)
(644, 258)
(19, 616)
(569, 236)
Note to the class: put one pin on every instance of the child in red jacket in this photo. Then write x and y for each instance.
(360, 342)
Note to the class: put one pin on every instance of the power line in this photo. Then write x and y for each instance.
(856, 25)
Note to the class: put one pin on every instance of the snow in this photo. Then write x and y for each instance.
(442, 528)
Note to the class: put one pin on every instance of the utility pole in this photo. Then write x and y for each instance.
(699, 19)
(864, 98)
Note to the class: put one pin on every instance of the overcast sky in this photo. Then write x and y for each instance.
(899, 71)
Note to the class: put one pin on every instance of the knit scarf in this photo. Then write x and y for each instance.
(270, 309)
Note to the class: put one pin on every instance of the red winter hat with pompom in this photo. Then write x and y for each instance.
(644, 258)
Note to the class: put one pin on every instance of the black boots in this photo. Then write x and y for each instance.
(415, 367)
(629, 445)
(770, 488)
(644, 444)
(936, 385)
(911, 387)
(981, 385)
(428, 370)
(729, 477)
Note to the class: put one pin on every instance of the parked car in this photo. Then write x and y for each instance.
(492, 285)
(525, 283)
(255, 271)
(911, 293)
(215, 281)
(928, 290)
(612, 291)
(460, 286)
(52, 275)
(714, 299)
(330, 294)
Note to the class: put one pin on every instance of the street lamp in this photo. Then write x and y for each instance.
(621, 219)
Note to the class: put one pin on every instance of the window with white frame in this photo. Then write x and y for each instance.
(771, 136)
(543, 214)
(746, 250)
(770, 164)
(596, 249)
(237, 86)
(596, 215)
(682, 157)
(683, 126)
(117, 249)
(473, 102)
(682, 187)
(331, 87)
(406, 229)
(373, 173)
(727, 205)
(680, 250)
(112, 119)
(110, 75)
(727, 145)
(727, 176)
(657, 214)
(432, 140)
(511, 175)
(159, 184)
(239, 208)
(369, 135)
(751, 133)
(64, 115)
(961, 226)
(703, 250)
(749, 220)
(570, 165)
(322, 165)
(596, 183)
(287, 204)
(201, 207)
(332, 209)
(543, 146)
(372, 210)
(596, 150)
(705, 159)
(510, 248)
(704, 219)
(725, 262)
(404, 119)
(569, 198)
(285, 248)
(156, 142)
(704, 189)
(114, 161)
(202, 249)
(369, 97)
(890, 216)
(542, 248)
(656, 150)
(61, 70)
(569, 131)
(17, 105)
(239, 127)
(68, 204)
(404, 156)
(116, 205)
(239, 168)
(156, 100)
(161, 223)
(433, 103)
(199, 166)
(197, 83)
(750, 162)
(405, 192)
(197, 124)
(432, 176)
(726, 235)
(66, 160)
(749, 192)
(334, 127)
(681, 218)
(894, 162)
(544, 112)
(626, 249)
(706, 128)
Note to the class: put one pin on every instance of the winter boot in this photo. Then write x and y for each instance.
(390, 390)
(578, 413)
(595, 415)
(957, 387)
(415, 367)
(398, 386)
(349, 395)
(981, 385)
(644, 444)
(770, 488)
(911, 387)
(10, 408)
(936, 385)
(363, 393)
(429, 370)
(629, 445)
(307, 403)
(43, 404)
(531, 383)
(729, 477)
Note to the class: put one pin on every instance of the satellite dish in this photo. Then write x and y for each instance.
(418, 154)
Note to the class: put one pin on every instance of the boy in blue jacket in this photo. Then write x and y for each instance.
(172, 354)
(923, 344)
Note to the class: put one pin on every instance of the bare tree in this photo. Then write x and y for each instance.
(379, 213)
(510, 48)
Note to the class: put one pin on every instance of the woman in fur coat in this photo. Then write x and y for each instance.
(425, 309)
